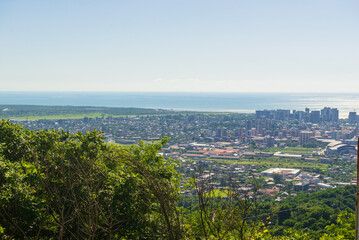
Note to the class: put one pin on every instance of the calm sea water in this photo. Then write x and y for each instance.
(233, 102)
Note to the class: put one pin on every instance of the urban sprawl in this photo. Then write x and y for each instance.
(288, 151)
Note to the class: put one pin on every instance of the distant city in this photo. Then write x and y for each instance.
(325, 115)
(291, 141)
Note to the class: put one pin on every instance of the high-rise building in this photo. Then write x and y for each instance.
(315, 116)
(324, 113)
(253, 132)
(334, 115)
(224, 132)
(282, 114)
(262, 114)
(219, 132)
(268, 124)
(304, 136)
(259, 127)
(352, 117)
(238, 132)
(299, 115)
(248, 125)
(329, 114)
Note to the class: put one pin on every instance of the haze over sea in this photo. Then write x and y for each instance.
(226, 102)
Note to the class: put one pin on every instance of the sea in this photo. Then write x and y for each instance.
(209, 102)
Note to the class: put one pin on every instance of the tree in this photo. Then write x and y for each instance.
(223, 214)
(277, 178)
(344, 229)
(54, 184)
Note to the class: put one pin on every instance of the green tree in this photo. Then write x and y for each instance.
(343, 229)
(54, 184)
(277, 178)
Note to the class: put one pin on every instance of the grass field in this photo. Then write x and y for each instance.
(283, 162)
(295, 150)
(220, 193)
(298, 150)
(274, 162)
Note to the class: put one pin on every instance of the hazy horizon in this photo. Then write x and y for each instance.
(175, 92)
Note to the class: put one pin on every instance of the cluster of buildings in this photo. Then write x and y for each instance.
(226, 136)
(196, 138)
(268, 128)
(302, 181)
(353, 118)
(327, 114)
(211, 176)
(278, 182)
(299, 180)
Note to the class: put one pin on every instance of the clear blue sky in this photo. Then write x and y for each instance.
(186, 45)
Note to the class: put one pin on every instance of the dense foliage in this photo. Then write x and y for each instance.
(310, 212)
(74, 186)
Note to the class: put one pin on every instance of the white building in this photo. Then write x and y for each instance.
(284, 172)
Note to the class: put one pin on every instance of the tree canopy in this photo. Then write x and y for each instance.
(57, 185)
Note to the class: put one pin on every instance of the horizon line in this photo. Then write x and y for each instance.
(181, 92)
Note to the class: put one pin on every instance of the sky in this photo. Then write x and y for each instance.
(180, 46)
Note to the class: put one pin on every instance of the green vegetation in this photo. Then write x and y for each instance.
(57, 185)
(220, 193)
(273, 162)
(316, 213)
(293, 150)
(33, 112)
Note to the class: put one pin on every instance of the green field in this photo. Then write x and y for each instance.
(298, 150)
(294, 150)
(273, 162)
(220, 193)
(34, 112)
